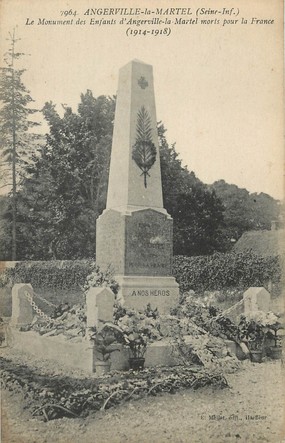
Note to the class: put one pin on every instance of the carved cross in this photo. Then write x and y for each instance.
(142, 82)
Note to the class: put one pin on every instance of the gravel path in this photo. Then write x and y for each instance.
(250, 411)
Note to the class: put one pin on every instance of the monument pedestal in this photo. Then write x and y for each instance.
(137, 291)
(137, 244)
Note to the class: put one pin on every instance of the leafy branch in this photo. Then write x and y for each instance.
(144, 150)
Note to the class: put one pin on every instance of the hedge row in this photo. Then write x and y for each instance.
(215, 272)
(224, 271)
(67, 274)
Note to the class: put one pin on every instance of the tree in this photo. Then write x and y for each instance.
(197, 212)
(67, 187)
(15, 139)
(245, 211)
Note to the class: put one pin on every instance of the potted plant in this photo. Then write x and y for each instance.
(275, 351)
(256, 340)
(135, 330)
(252, 332)
(104, 341)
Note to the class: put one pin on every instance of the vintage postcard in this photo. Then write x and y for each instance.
(145, 136)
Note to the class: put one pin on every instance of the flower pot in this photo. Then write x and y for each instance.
(256, 356)
(102, 367)
(275, 352)
(136, 363)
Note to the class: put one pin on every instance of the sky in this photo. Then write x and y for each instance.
(218, 88)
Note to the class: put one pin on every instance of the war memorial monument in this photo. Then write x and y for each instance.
(134, 233)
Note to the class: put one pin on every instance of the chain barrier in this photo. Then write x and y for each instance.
(229, 310)
(40, 297)
(44, 316)
(53, 320)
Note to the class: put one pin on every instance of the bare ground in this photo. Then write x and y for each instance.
(251, 410)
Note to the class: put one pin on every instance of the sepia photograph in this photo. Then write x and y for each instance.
(142, 221)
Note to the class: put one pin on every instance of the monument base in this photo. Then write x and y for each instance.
(137, 291)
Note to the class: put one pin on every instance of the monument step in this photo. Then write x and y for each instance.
(137, 291)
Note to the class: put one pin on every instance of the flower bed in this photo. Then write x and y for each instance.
(58, 396)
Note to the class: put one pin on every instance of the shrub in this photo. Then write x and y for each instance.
(221, 271)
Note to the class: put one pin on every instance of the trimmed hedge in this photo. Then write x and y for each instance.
(223, 271)
(66, 274)
(202, 273)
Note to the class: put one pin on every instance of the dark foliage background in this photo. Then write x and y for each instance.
(64, 190)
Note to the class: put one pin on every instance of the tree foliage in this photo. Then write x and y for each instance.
(245, 211)
(197, 212)
(15, 112)
(66, 187)
(16, 141)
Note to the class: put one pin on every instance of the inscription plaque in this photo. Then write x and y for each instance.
(148, 244)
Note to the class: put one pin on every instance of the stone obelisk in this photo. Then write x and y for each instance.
(134, 233)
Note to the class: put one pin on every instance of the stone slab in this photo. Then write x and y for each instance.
(81, 356)
(137, 291)
(70, 354)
